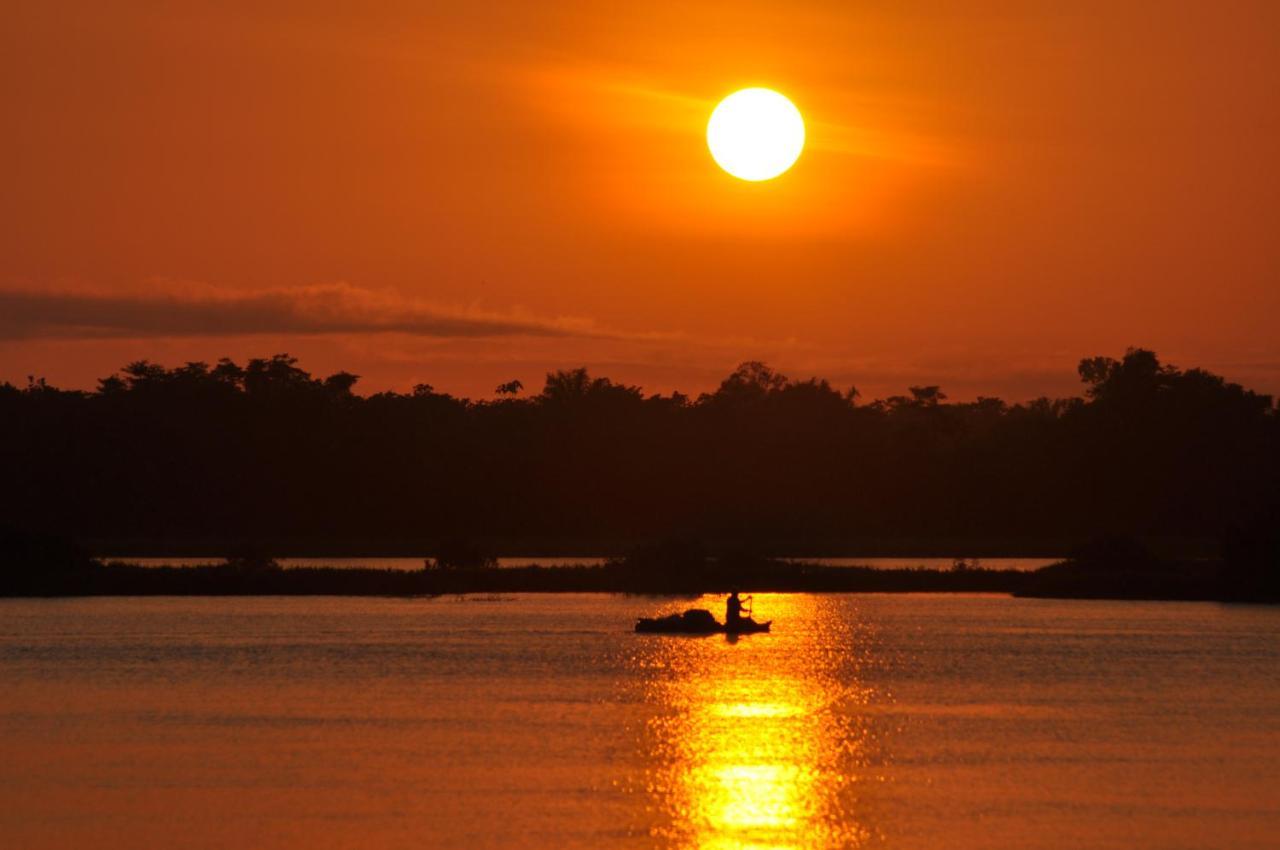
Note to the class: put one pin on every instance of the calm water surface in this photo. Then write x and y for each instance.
(541, 721)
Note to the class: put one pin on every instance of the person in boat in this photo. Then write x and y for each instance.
(733, 611)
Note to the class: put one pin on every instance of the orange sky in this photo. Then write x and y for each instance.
(473, 192)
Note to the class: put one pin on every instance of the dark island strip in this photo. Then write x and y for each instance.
(1106, 569)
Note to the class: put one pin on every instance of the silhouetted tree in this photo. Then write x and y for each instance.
(751, 382)
(266, 451)
(510, 388)
(341, 383)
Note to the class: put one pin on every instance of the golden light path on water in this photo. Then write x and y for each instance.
(759, 742)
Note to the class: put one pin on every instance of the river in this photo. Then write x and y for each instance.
(542, 721)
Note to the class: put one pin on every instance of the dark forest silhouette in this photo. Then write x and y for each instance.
(198, 458)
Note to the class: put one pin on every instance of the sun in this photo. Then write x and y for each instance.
(755, 134)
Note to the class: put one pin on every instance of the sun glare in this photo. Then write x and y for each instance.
(755, 134)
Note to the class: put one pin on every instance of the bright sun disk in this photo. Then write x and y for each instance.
(755, 134)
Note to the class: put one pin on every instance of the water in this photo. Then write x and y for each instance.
(413, 564)
(540, 721)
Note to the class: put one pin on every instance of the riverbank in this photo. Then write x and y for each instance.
(1183, 580)
(123, 579)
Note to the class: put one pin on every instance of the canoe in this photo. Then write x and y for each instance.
(697, 621)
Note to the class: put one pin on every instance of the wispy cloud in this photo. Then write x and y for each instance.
(337, 308)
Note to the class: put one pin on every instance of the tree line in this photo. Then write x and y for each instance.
(200, 455)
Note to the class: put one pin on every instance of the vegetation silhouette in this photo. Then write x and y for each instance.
(1251, 558)
(455, 554)
(1117, 567)
(199, 459)
(233, 578)
(1112, 568)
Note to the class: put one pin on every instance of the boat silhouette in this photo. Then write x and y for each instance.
(698, 621)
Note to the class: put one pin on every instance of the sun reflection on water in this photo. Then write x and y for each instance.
(758, 744)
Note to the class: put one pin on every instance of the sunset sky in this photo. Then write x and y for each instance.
(462, 194)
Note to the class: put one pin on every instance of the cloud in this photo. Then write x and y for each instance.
(307, 311)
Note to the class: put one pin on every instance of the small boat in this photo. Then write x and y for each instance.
(698, 621)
